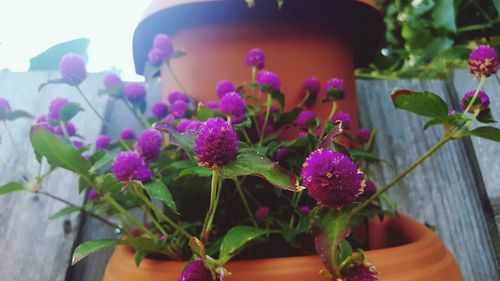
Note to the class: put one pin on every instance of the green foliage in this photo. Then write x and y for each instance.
(236, 238)
(158, 190)
(11, 187)
(69, 111)
(421, 103)
(91, 247)
(487, 132)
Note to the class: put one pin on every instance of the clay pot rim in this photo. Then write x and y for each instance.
(169, 16)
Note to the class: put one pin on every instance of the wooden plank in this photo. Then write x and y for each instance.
(489, 166)
(32, 247)
(443, 191)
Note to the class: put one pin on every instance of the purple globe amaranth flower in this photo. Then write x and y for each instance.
(72, 69)
(452, 112)
(481, 102)
(130, 166)
(361, 272)
(232, 104)
(310, 89)
(127, 134)
(113, 85)
(281, 153)
(175, 96)
(274, 108)
(483, 61)
(212, 105)
(238, 119)
(4, 106)
(179, 108)
(156, 57)
(92, 195)
(256, 57)
(70, 129)
(170, 119)
(331, 178)
(55, 107)
(223, 87)
(163, 45)
(343, 117)
(78, 144)
(197, 271)
(363, 135)
(149, 144)
(334, 90)
(182, 125)
(194, 125)
(262, 213)
(46, 126)
(102, 142)
(159, 110)
(302, 135)
(269, 79)
(135, 92)
(370, 189)
(216, 143)
(306, 120)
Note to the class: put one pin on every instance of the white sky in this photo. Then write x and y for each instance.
(28, 27)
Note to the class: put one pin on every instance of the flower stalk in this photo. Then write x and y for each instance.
(214, 196)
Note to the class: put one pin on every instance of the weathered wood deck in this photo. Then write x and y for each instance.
(457, 190)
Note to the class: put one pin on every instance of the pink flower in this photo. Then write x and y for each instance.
(72, 69)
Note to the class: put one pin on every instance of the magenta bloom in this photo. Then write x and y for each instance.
(262, 213)
(55, 107)
(72, 69)
(70, 128)
(193, 126)
(159, 110)
(78, 144)
(130, 166)
(331, 178)
(269, 79)
(155, 57)
(224, 87)
(481, 102)
(92, 195)
(305, 210)
(238, 119)
(361, 272)
(306, 120)
(483, 61)
(363, 135)
(163, 45)
(4, 106)
(370, 189)
(179, 108)
(311, 87)
(45, 125)
(232, 104)
(149, 144)
(113, 85)
(343, 117)
(212, 105)
(196, 271)
(127, 134)
(175, 96)
(256, 57)
(170, 119)
(216, 143)
(334, 90)
(182, 125)
(102, 142)
(281, 153)
(135, 92)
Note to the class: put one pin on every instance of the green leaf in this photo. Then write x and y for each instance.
(64, 212)
(345, 251)
(249, 162)
(91, 247)
(487, 132)
(139, 256)
(57, 153)
(443, 15)
(497, 6)
(159, 191)
(11, 187)
(280, 97)
(195, 171)
(184, 140)
(236, 238)
(433, 122)
(106, 159)
(422, 103)
(69, 111)
(13, 115)
(485, 116)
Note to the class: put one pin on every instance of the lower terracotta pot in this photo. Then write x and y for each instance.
(419, 256)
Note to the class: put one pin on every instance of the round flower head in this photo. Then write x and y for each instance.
(232, 104)
(175, 96)
(331, 178)
(4, 106)
(78, 144)
(163, 45)
(92, 195)
(148, 145)
(170, 119)
(306, 120)
(269, 79)
(262, 213)
(363, 135)
(155, 57)
(102, 142)
(130, 166)
(72, 69)
(212, 105)
(483, 61)
(216, 143)
(310, 88)
(193, 126)
(370, 189)
(135, 92)
(361, 272)
(70, 129)
(281, 153)
(127, 134)
(224, 87)
(343, 117)
(197, 271)
(182, 125)
(481, 102)
(452, 112)
(334, 90)
(113, 84)
(256, 57)
(238, 119)
(159, 110)
(179, 108)
(55, 107)
(305, 210)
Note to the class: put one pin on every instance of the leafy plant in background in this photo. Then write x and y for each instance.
(311, 192)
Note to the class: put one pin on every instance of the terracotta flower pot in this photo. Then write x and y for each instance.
(419, 256)
(320, 38)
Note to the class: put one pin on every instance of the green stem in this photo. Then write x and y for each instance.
(306, 97)
(207, 224)
(140, 118)
(478, 89)
(177, 81)
(16, 148)
(153, 220)
(65, 130)
(408, 170)
(254, 74)
(332, 111)
(266, 119)
(245, 202)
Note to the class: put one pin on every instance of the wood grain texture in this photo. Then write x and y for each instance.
(32, 247)
(444, 191)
